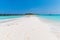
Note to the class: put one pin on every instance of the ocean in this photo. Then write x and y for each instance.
(55, 18)
(8, 17)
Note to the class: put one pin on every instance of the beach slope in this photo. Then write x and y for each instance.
(26, 28)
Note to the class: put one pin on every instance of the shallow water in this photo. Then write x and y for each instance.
(8, 17)
(54, 18)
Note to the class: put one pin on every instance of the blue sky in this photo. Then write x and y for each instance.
(25, 6)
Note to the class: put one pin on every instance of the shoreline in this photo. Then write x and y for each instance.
(32, 24)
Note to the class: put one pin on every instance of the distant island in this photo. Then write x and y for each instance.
(17, 14)
(29, 14)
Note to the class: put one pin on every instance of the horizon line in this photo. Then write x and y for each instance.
(29, 14)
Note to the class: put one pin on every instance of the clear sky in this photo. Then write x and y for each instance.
(25, 6)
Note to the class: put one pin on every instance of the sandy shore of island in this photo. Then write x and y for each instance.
(26, 28)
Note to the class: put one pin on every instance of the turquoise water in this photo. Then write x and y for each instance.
(8, 17)
(55, 18)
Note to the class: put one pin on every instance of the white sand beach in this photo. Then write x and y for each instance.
(26, 28)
